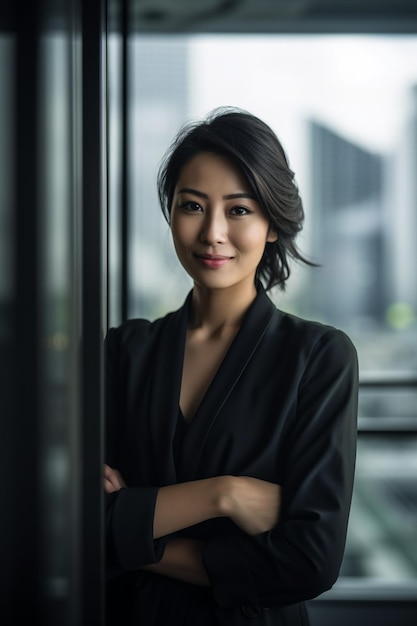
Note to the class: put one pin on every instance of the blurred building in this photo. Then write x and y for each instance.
(347, 202)
(364, 228)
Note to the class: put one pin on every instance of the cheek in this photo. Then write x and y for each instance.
(254, 238)
(179, 230)
(183, 233)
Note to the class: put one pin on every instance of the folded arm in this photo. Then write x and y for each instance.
(251, 504)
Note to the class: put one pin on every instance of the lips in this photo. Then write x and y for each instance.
(213, 257)
(213, 261)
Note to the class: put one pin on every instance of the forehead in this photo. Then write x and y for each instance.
(208, 168)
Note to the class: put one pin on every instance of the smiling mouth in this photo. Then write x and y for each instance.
(213, 261)
(213, 257)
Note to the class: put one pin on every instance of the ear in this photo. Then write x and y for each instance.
(272, 235)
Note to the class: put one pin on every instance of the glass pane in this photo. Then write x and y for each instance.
(388, 403)
(115, 112)
(158, 66)
(345, 108)
(58, 379)
(382, 538)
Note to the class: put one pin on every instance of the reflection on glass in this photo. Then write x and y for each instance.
(58, 392)
(115, 112)
(345, 108)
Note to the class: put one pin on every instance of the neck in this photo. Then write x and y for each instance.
(220, 309)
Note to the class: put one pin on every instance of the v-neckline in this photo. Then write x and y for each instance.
(212, 380)
(166, 384)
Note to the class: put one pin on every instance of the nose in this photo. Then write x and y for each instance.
(214, 228)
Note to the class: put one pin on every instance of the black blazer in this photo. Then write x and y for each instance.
(282, 407)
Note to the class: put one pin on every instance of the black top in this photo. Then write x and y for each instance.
(181, 432)
(282, 407)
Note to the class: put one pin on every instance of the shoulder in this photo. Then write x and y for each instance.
(312, 337)
(319, 356)
(133, 334)
(290, 336)
(128, 332)
(311, 329)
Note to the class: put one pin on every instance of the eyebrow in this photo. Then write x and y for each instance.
(230, 196)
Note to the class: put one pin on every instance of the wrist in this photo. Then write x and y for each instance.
(224, 497)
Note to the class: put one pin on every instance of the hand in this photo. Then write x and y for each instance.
(252, 504)
(113, 480)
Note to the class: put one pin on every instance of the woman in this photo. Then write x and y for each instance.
(232, 424)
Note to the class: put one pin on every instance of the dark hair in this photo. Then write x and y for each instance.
(251, 145)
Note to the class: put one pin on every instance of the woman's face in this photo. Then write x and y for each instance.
(218, 228)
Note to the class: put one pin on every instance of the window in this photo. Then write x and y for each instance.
(345, 109)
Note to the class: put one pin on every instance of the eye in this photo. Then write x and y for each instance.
(191, 206)
(240, 210)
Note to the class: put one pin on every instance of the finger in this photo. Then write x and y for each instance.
(113, 478)
(118, 478)
(108, 471)
(108, 486)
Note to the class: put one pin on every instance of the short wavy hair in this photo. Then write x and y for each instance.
(254, 148)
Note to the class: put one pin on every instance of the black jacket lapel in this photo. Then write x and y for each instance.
(254, 327)
(165, 390)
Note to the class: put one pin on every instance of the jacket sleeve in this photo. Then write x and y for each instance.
(130, 511)
(301, 557)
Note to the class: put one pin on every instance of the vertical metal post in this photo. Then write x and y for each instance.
(22, 416)
(93, 298)
(52, 209)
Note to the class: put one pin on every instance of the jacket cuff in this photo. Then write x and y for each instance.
(228, 571)
(131, 528)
